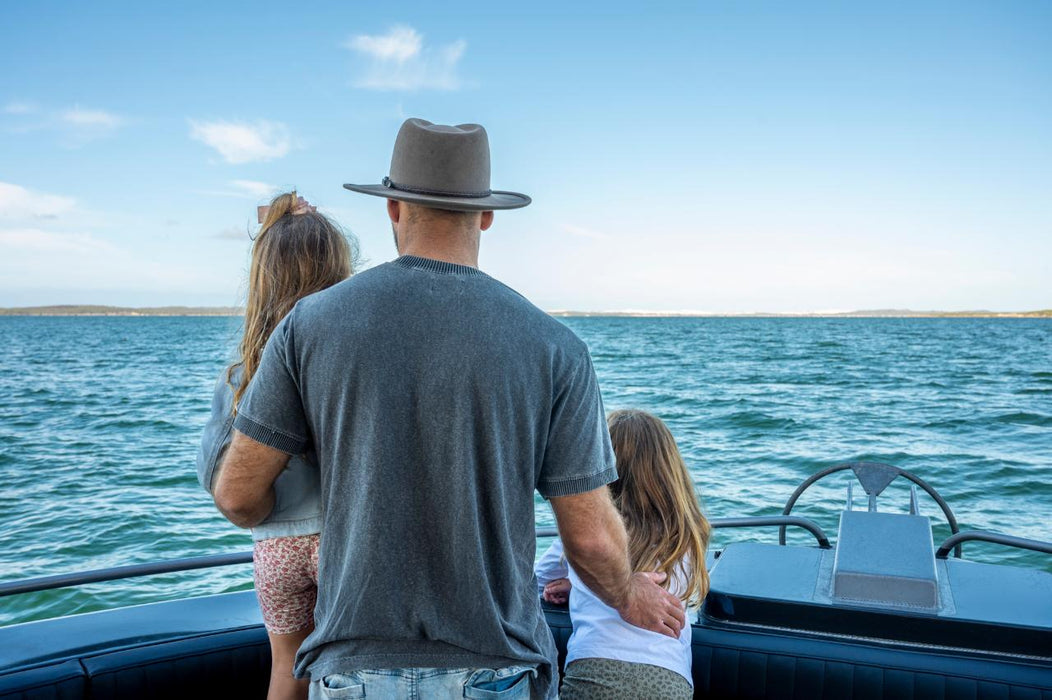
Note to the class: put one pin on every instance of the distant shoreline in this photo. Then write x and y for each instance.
(879, 313)
(95, 310)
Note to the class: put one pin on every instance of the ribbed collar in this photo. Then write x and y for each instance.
(439, 266)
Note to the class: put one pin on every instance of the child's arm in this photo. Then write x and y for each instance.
(551, 566)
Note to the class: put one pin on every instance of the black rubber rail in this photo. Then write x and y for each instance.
(856, 466)
(46, 583)
(777, 521)
(955, 540)
(79, 578)
(758, 521)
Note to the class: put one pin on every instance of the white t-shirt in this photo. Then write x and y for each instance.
(599, 631)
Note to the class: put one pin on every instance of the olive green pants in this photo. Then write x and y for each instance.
(607, 679)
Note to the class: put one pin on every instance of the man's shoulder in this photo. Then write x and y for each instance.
(533, 320)
(332, 299)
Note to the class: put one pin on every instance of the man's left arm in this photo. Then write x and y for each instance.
(244, 491)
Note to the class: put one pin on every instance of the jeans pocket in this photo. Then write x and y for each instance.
(512, 683)
(342, 685)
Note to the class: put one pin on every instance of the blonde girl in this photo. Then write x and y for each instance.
(296, 252)
(606, 656)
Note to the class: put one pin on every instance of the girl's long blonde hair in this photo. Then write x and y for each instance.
(294, 254)
(655, 495)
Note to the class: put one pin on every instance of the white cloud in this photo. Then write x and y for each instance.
(91, 119)
(30, 240)
(20, 107)
(399, 60)
(32, 258)
(582, 232)
(245, 189)
(252, 188)
(18, 203)
(233, 233)
(400, 44)
(243, 142)
(74, 126)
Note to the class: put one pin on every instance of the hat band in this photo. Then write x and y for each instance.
(439, 193)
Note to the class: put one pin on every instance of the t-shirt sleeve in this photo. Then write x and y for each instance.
(578, 456)
(271, 411)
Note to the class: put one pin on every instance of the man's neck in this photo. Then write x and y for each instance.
(459, 249)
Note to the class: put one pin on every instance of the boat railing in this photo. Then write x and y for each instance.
(956, 539)
(208, 561)
(80, 578)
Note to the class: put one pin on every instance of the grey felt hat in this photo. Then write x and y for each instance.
(442, 167)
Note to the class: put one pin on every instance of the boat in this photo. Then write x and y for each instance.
(879, 613)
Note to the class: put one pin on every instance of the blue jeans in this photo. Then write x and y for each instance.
(511, 683)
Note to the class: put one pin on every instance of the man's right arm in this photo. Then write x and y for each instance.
(596, 545)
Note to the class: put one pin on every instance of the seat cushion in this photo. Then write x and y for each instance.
(64, 681)
(233, 664)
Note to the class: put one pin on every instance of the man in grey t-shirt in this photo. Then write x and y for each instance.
(437, 400)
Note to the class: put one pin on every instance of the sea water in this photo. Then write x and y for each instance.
(100, 420)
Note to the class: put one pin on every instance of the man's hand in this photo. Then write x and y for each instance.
(651, 607)
(244, 490)
(557, 591)
(596, 545)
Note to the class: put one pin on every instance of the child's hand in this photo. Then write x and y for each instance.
(303, 207)
(557, 591)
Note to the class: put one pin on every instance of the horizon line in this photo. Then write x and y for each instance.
(179, 310)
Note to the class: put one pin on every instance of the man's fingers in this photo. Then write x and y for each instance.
(656, 576)
(654, 608)
(679, 615)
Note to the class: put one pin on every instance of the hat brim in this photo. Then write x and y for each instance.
(497, 200)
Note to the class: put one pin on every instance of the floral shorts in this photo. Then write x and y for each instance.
(286, 574)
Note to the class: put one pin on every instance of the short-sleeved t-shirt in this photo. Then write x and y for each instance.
(437, 401)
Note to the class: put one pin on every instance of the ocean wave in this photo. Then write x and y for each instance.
(1024, 418)
(756, 420)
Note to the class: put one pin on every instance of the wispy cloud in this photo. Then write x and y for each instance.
(80, 126)
(400, 44)
(582, 232)
(91, 119)
(31, 240)
(244, 142)
(74, 126)
(33, 258)
(233, 233)
(245, 189)
(252, 188)
(399, 60)
(18, 203)
(21, 107)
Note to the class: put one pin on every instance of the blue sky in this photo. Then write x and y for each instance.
(715, 156)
